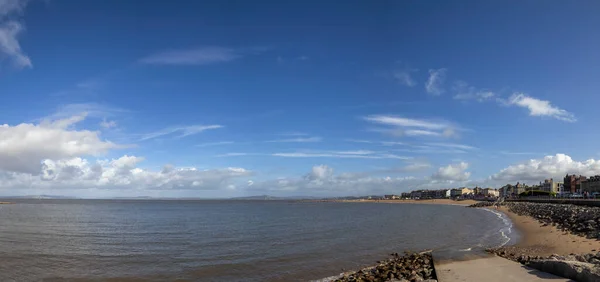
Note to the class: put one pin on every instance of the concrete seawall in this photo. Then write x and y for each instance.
(490, 269)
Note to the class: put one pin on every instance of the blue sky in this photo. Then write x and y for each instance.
(212, 99)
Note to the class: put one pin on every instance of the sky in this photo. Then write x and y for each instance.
(217, 99)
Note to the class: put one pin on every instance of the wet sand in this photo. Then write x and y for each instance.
(540, 240)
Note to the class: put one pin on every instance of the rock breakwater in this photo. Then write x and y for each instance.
(579, 220)
(399, 268)
(482, 204)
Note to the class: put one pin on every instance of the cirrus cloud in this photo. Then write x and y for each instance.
(435, 82)
(539, 107)
(10, 29)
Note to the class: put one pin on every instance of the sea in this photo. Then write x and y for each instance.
(212, 240)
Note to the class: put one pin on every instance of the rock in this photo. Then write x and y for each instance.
(409, 267)
(578, 220)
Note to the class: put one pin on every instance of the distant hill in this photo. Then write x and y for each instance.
(134, 198)
(38, 197)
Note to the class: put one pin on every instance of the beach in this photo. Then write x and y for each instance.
(538, 239)
(427, 202)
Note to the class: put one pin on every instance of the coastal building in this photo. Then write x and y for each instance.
(416, 194)
(428, 194)
(460, 192)
(391, 197)
(477, 191)
(490, 192)
(549, 185)
(572, 183)
(561, 188)
(591, 185)
(506, 190)
(448, 193)
(405, 195)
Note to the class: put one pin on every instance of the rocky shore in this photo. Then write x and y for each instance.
(399, 268)
(571, 219)
(579, 220)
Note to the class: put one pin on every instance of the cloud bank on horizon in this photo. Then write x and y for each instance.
(322, 110)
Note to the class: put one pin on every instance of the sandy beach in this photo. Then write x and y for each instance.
(540, 240)
(430, 202)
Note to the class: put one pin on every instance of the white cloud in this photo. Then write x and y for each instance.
(10, 49)
(384, 143)
(107, 124)
(9, 45)
(182, 130)
(322, 181)
(297, 140)
(404, 77)
(93, 110)
(432, 150)
(404, 122)
(420, 132)
(464, 91)
(320, 172)
(342, 155)
(199, 56)
(357, 152)
(401, 126)
(8, 7)
(556, 166)
(122, 173)
(453, 172)
(539, 107)
(24, 146)
(452, 145)
(417, 165)
(435, 83)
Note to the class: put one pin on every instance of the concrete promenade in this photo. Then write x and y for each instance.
(490, 269)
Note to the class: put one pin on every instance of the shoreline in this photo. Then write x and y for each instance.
(534, 240)
(425, 202)
(539, 239)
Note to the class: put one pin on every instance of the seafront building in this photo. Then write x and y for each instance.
(572, 183)
(549, 185)
(591, 185)
(490, 192)
(459, 192)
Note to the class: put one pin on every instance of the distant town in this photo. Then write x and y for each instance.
(571, 186)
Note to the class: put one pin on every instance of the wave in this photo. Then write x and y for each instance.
(504, 231)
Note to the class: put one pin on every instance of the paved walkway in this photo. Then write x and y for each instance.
(490, 269)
